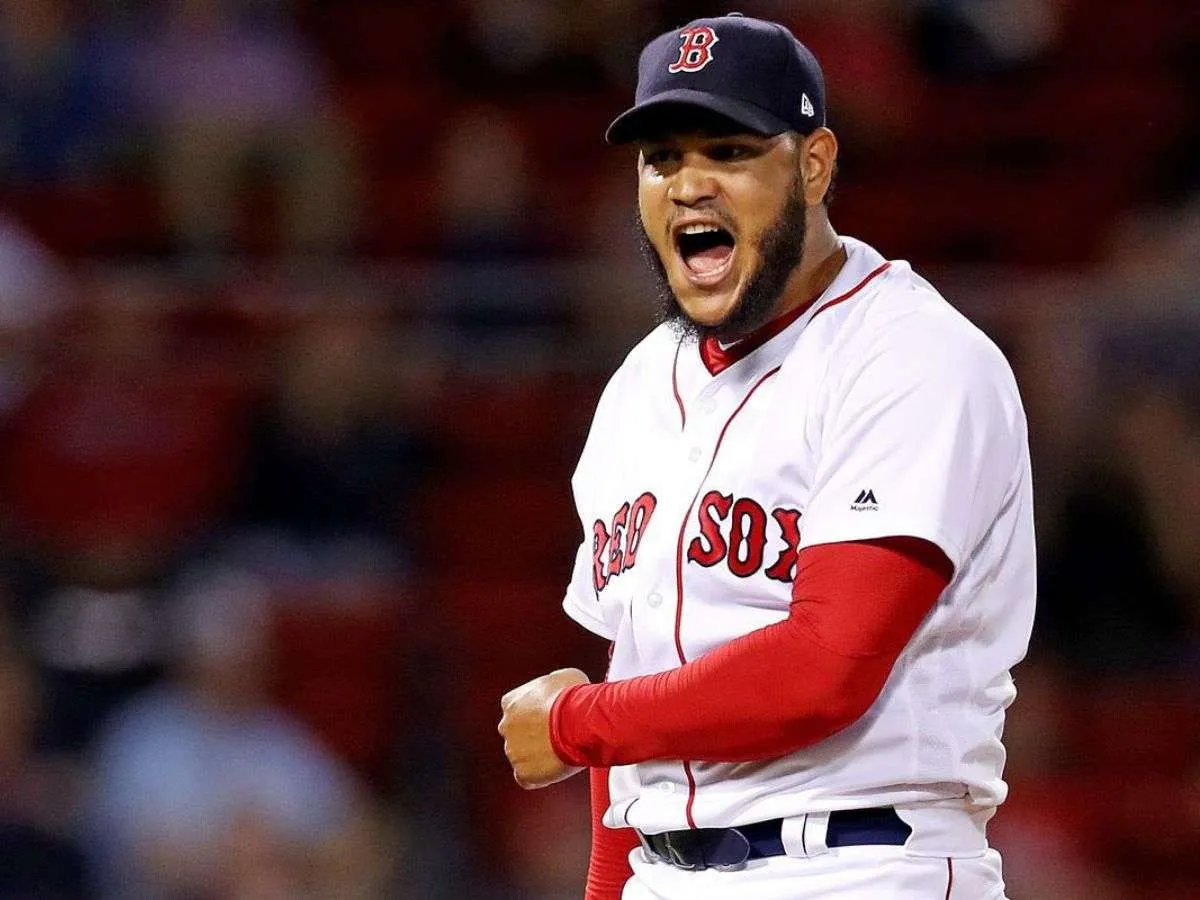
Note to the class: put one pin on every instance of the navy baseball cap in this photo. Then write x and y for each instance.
(750, 71)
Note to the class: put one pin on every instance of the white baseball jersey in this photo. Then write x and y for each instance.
(881, 411)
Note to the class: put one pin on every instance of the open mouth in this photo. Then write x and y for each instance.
(706, 250)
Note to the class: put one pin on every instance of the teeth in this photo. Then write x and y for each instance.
(699, 229)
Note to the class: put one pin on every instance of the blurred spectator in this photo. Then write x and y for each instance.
(204, 790)
(56, 112)
(93, 632)
(872, 78)
(335, 455)
(487, 216)
(615, 303)
(113, 466)
(37, 856)
(965, 40)
(1151, 246)
(36, 292)
(324, 510)
(132, 436)
(1121, 591)
(485, 201)
(1158, 429)
(227, 85)
(530, 46)
(1177, 172)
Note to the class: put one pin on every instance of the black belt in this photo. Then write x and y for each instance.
(730, 848)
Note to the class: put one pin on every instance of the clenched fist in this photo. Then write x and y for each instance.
(525, 727)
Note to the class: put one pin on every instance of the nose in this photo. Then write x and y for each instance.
(691, 184)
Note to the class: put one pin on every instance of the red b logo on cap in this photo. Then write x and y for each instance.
(695, 50)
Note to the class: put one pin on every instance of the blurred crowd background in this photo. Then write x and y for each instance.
(303, 310)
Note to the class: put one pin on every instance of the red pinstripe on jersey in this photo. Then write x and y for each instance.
(854, 290)
(675, 387)
(687, 769)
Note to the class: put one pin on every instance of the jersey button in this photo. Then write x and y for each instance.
(666, 787)
(708, 406)
(655, 599)
(694, 454)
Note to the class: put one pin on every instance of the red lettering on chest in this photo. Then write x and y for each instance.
(784, 568)
(615, 545)
(710, 547)
(742, 543)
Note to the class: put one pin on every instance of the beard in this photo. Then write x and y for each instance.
(781, 248)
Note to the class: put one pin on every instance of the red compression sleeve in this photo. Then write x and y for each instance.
(768, 693)
(608, 867)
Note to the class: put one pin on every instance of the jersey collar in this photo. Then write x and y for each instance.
(862, 264)
(717, 358)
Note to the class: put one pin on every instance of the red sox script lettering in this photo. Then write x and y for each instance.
(746, 545)
(615, 547)
(695, 50)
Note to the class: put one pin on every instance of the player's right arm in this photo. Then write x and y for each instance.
(855, 607)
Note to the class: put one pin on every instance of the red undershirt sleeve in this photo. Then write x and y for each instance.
(608, 866)
(855, 605)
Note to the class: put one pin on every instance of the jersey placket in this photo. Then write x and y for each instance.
(706, 423)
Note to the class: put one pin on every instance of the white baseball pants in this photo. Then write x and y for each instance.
(847, 873)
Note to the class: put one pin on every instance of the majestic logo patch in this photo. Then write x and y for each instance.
(695, 50)
(865, 500)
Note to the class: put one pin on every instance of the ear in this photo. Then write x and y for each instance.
(818, 157)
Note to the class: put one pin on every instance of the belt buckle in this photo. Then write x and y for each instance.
(677, 856)
(647, 851)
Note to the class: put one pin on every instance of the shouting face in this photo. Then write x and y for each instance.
(723, 216)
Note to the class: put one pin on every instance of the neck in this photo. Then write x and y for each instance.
(823, 259)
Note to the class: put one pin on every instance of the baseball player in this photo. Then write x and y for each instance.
(808, 530)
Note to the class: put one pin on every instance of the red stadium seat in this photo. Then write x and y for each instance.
(544, 420)
(116, 217)
(506, 525)
(378, 37)
(343, 667)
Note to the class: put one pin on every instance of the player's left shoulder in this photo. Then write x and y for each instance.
(912, 323)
